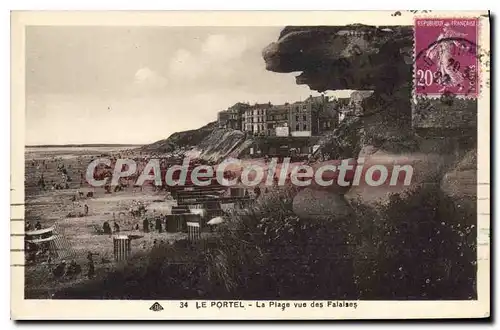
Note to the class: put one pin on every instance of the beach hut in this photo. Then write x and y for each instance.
(50, 240)
(194, 225)
(175, 223)
(121, 247)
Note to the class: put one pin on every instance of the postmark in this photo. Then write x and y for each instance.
(446, 60)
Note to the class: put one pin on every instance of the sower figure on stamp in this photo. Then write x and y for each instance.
(441, 51)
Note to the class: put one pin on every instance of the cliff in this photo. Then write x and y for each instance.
(380, 59)
(209, 143)
(362, 57)
(426, 222)
(222, 143)
(185, 139)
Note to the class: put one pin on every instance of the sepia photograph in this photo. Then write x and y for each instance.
(208, 165)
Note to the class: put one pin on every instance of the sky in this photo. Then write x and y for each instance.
(138, 85)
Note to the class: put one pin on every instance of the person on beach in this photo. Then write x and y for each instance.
(91, 271)
(158, 224)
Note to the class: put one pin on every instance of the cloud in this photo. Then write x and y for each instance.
(215, 57)
(149, 80)
(222, 48)
(185, 65)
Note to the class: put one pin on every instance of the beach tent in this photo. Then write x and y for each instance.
(50, 237)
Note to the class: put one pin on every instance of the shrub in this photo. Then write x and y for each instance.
(420, 246)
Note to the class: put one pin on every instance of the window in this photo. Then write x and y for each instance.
(304, 117)
(296, 118)
(305, 127)
(297, 127)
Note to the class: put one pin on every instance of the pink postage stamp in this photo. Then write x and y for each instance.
(446, 60)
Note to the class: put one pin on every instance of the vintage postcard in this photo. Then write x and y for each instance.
(250, 165)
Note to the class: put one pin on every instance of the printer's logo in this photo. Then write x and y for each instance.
(156, 307)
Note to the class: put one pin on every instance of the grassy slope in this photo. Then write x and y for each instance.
(408, 249)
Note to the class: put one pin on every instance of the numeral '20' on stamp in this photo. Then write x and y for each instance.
(446, 58)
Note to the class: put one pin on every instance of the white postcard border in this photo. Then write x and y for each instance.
(128, 310)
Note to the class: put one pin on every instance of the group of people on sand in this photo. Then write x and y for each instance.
(72, 269)
(155, 244)
(39, 164)
(79, 214)
(106, 228)
(156, 223)
(52, 185)
(29, 226)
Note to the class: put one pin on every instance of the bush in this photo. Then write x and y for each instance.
(167, 271)
(421, 246)
(267, 252)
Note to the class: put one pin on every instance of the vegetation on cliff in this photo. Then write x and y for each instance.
(179, 140)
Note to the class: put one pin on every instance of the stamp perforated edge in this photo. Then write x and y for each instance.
(474, 96)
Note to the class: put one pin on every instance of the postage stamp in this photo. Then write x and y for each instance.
(446, 60)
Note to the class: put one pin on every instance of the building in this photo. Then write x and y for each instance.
(254, 119)
(328, 118)
(300, 119)
(277, 120)
(222, 118)
(310, 117)
(305, 116)
(236, 113)
(233, 116)
(353, 106)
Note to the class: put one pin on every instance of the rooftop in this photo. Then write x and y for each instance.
(278, 108)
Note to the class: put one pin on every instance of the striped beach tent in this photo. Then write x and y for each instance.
(121, 247)
(193, 222)
(53, 236)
